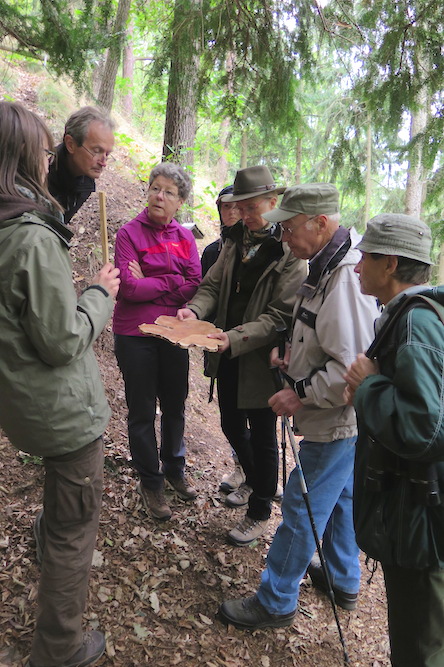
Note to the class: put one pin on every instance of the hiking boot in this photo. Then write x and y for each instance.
(240, 497)
(247, 531)
(249, 614)
(92, 649)
(345, 600)
(154, 502)
(183, 487)
(231, 481)
(39, 536)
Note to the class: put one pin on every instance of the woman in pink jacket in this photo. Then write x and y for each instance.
(160, 272)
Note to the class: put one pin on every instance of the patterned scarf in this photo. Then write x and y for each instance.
(252, 240)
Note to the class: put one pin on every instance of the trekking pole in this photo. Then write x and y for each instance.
(282, 339)
(103, 227)
(279, 385)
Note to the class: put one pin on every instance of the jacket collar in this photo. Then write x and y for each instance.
(325, 261)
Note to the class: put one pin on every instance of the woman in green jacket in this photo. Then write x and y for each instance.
(53, 403)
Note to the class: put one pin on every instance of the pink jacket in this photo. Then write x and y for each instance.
(170, 263)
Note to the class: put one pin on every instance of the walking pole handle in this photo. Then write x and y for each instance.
(282, 339)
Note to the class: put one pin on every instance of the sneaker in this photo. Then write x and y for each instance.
(154, 502)
(345, 600)
(240, 497)
(247, 531)
(249, 614)
(231, 481)
(39, 536)
(92, 649)
(183, 487)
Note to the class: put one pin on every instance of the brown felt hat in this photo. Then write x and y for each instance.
(253, 182)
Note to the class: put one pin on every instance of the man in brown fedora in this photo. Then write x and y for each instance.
(252, 289)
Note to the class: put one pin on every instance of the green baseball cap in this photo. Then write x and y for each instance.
(398, 234)
(308, 198)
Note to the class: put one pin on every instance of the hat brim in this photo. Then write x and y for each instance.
(278, 215)
(368, 247)
(250, 195)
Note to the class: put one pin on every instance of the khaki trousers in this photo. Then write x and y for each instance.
(71, 503)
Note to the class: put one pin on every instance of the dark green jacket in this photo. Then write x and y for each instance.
(270, 305)
(52, 398)
(402, 410)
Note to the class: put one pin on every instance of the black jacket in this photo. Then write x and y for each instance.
(70, 191)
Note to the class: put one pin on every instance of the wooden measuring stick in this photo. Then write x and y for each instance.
(103, 227)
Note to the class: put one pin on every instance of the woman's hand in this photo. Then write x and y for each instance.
(135, 270)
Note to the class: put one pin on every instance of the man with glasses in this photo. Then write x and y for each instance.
(80, 159)
(332, 322)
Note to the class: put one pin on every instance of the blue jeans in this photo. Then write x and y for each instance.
(328, 472)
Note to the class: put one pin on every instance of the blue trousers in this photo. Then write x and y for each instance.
(328, 471)
(153, 368)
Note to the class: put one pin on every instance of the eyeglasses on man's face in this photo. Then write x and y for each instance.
(50, 155)
(293, 228)
(98, 154)
(154, 190)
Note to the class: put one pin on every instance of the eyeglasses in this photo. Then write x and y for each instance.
(290, 230)
(97, 154)
(155, 190)
(50, 155)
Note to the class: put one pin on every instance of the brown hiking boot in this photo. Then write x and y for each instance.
(183, 487)
(154, 502)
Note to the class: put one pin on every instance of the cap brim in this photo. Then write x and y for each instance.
(278, 215)
(250, 195)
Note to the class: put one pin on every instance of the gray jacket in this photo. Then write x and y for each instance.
(330, 329)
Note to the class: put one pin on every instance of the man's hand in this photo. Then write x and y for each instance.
(135, 270)
(107, 278)
(224, 338)
(361, 368)
(275, 359)
(285, 402)
(186, 314)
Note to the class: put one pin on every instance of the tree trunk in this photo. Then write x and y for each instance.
(416, 184)
(368, 172)
(244, 149)
(106, 92)
(415, 189)
(224, 133)
(298, 170)
(128, 70)
(181, 108)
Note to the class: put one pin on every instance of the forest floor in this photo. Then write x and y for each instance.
(155, 587)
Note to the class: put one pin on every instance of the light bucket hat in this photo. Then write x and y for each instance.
(398, 234)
